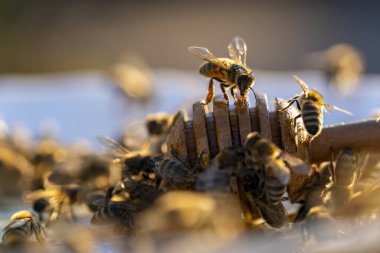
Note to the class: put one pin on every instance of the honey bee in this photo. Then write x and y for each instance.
(231, 72)
(141, 194)
(345, 175)
(56, 200)
(221, 171)
(261, 152)
(23, 226)
(265, 176)
(134, 163)
(314, 191)
(311, 104)
(119, 213)
(176, 173)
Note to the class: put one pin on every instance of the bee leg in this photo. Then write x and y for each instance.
(210, 93)
(37, 232)
(295, 120)
(290, 102)
(224, 92)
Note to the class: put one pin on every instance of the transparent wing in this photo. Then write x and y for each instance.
(112, 145)
(206, 55)
(274, 214)
(238, 50)
(303, 85)
(330, 108)
(16, 224)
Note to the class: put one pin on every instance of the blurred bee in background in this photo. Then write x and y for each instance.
(344, 65)
(176, 173)
(231, 72)
(158, 126)
(16, 172)
(181, 211)
(24, 225)
(133, 77)
(345, 175)
(265, 176)
(314, 191)
(134, 163)
(56, 200)
(141, 194)
(311, 105)
(223, 169)
(117, 213)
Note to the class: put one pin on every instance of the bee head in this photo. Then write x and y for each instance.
(40, 205)
(244, 83)
(252, 140)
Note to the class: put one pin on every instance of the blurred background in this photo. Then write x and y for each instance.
(88, 68)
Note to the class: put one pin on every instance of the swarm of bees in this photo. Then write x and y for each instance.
(156, 193)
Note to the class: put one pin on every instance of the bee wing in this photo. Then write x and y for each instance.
(360, 169)
(238, 50)
(112, 145)
(274, 214)
(301, 83)
(329, 108)
(206, 55)
(16, 224)
(296, 165)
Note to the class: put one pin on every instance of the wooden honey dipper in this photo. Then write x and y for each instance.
(210, 132)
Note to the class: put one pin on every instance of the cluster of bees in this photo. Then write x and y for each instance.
(158, 193)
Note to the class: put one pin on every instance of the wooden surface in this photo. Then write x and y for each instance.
(243, 120)
(254, 120)
(362, 136)
(212, 131)
(211, 135)
(222, 123)
(234, 125)
(263, 115)
(288, 136)
(200, 132)
(190, 143)
(176, 138)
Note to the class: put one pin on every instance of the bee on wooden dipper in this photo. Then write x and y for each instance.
(23, 226)
(311, 104)
(232, 73)
(265, 176)
(176, 172)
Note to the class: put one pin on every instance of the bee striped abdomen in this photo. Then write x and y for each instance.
(213, 71)
(274, 190)
(175, 173)
(345, 170)
(312, 117)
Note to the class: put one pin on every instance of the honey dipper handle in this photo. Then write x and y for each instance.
(362, 135)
